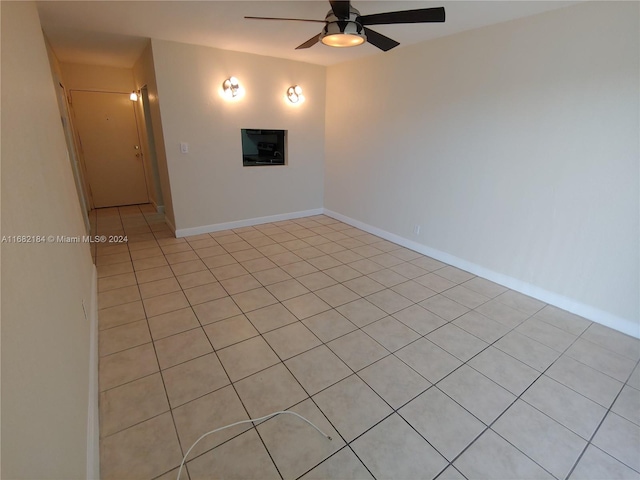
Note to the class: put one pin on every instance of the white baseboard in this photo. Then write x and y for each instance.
(623, 325)
(187, 232)
(93, 419)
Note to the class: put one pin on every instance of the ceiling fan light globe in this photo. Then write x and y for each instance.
(342, 40)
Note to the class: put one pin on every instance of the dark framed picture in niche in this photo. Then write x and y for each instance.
(262, 147)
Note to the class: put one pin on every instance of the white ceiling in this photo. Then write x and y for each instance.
(114, 33)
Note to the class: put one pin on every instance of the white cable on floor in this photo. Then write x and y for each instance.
(241, 422)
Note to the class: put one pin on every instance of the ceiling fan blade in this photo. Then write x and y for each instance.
(309, 43)
(291, 19)
(340, 8)
(421, 15)
(378, 40)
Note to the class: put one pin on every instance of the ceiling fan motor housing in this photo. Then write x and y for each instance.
(336, 27)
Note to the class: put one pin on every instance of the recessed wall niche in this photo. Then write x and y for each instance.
(263, 147)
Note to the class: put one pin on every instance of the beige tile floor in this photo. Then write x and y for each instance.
(415, 368)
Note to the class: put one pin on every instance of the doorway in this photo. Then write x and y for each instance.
(109, 143)
(151, 148)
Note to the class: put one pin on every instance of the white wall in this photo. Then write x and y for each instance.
(515, 147)
(209, 185)
(97, 78)
(45, 335)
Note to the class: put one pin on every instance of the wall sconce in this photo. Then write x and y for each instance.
(231, 87)
(294, 94)
(134, 96)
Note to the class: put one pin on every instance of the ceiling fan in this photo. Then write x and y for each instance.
(345, 27)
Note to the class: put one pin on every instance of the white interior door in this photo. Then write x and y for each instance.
(106, 125)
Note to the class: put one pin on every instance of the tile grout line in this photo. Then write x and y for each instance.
(519, 397)
(309, 397)
(604, 417)
(233, 383)
(175, 427)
